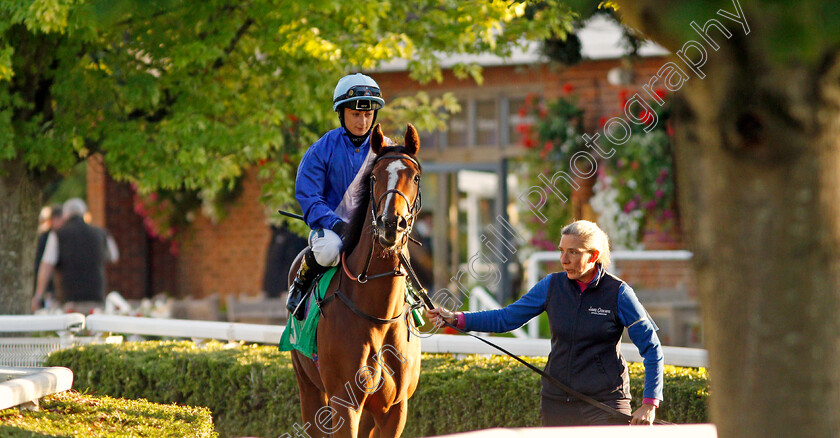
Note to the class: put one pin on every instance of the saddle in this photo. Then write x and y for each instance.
(302, 335)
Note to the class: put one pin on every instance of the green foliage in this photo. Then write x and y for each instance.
(79, 415)
(72, 185)
(252, 390)
(552, 136)
(642, 169)
(427, 114)
(184, 95)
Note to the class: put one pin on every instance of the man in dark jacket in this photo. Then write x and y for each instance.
(78, 253)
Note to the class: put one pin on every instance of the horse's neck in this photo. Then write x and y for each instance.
(380, 262)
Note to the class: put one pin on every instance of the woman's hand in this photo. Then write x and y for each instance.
(644, 415)
(439, 314)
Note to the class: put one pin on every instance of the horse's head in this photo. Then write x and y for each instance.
(395, 188)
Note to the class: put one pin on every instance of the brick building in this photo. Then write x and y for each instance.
(228, 257)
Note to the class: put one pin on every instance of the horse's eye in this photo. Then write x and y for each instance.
(417, 179)
(373, 178)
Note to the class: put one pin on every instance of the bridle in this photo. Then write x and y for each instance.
(374, 207)
(363, 278)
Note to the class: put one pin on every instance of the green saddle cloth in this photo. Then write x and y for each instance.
(300, 335)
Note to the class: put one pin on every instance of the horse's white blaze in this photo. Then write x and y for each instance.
(393, 170)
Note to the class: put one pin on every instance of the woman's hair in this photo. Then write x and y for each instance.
(593, 237)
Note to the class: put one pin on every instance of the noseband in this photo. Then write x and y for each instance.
(412, 212)
(419, 294)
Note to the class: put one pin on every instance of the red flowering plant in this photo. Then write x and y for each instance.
(551, 133)
(642, 169)
(166, 213)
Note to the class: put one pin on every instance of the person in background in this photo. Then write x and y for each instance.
(49, 220)
(588, 309)
(328, 172)
(77, 252)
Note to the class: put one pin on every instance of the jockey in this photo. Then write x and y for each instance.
(327, 178)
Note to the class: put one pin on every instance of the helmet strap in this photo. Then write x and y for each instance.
(357, 140)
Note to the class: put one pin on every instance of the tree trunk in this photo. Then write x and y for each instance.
(20, 198)
(757, 145)
(758, 155)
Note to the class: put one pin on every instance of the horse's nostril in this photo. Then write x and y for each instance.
(402, 224)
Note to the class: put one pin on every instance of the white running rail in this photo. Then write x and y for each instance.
(270, 334)
(31, 351)
(32, 323)
(184, 328)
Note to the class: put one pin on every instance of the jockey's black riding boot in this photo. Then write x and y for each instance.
(309, 269)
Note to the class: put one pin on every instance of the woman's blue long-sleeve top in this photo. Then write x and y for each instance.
(325, 173)
(586, 334)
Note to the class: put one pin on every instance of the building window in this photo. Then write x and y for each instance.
(486, 123)
(456, 135)
(517, 117)
(482, 122)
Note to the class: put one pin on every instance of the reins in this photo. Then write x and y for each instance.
(424, 297)
(576, 394)
(363, 277)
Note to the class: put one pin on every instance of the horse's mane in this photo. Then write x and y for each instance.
(362, 196)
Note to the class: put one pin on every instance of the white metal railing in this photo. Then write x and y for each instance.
(270, 334)
(24, 386)
(480, 299)
(32, 351)
(185, 328)
(30, 323)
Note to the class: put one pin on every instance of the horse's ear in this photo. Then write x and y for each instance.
(377, 139)
(412, 140)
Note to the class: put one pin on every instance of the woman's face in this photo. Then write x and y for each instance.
(577, 261)
(358, 122)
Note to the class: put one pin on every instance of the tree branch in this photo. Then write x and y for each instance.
(229, 49)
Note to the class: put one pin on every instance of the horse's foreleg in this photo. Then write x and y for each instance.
(393, 422)
(346, 421)
(367, 426)
(311, 399)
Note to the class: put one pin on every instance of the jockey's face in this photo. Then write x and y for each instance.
(358, 122)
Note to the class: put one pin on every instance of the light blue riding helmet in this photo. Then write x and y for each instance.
(359, 89)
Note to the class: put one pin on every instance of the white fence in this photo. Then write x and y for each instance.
(31, 351)
(270, 334)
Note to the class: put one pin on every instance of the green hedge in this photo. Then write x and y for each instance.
(72, 414)
(251, 390)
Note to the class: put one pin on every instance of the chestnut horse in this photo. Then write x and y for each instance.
(368, 363)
